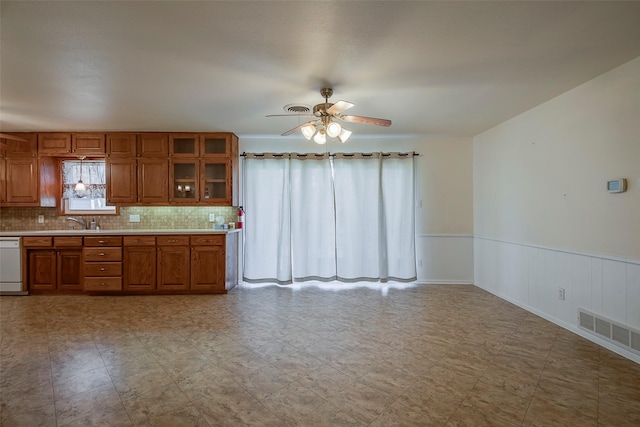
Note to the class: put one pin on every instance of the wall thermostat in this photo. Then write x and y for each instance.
(617, 185)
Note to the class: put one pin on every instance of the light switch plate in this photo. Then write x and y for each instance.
(212, 217)
(134, 218)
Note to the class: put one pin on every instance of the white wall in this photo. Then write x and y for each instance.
(542, 216)
(444, 188)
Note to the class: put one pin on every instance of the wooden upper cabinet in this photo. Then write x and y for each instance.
(121, 145)
(22, 181)
(217, 144)
(14, 148)
(88, 144)
(121, 180)
(153, 181)
(184, 145)
(3, 180)
(54, 143)
(153, 145)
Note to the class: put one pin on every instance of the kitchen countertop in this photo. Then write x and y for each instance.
(27, 233)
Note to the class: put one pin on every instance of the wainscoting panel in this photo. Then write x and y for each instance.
(533, 278)
(444, 258)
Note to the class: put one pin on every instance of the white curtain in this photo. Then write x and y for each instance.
(267, 238)
(310, 217)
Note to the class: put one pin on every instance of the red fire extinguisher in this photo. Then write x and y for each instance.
(240, 217)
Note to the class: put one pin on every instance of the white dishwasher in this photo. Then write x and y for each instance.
(11, 266)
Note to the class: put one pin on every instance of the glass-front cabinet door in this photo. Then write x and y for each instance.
(215, 185)
(184, 145)
(184, 181)
(215, 145)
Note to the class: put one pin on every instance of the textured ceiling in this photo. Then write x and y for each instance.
(454, 68)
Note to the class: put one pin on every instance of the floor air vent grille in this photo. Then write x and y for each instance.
(617, 333)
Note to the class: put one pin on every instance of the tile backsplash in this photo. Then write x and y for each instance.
(151, 217)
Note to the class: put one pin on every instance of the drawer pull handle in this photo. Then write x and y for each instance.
(173, 241)
(102, 269)
(102, 241)
(102, 254)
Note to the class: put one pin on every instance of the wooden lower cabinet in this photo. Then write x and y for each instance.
(173, 263)
(42, 270)
(56, 269)
(203, 263)
(102, 267)
(139, 264)
(69, 263)
(208, 263)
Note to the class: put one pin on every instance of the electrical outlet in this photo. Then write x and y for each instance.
(134, 218)
(212, 217)
(561, 294)
(40, 219)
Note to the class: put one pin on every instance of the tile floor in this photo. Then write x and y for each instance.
(422, 356)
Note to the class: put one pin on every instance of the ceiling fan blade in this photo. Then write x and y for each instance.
(367, 120)
(290, 131)
(290, 115)
(339, 107)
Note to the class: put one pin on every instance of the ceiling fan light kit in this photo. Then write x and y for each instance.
(325, 122)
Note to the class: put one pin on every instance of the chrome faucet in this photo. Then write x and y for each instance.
(81, 221)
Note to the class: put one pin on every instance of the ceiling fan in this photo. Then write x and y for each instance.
(326, 120)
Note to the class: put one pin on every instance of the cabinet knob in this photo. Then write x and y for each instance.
(102, 269)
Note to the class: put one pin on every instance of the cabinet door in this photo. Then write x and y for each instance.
(68, 270)
(88, 143)
(153, 180)
(54, 143)
(216, 144)
(42, 270)
(139, 268)
(207, 268)
(153, 145)
(184, 145)
(216, 182)
(22, 181)
(173, 268)
(27, 148)
(121, 180)
(184, 181)
(3, 180)
(121, 145)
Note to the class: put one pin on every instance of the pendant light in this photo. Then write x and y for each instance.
(80, 185)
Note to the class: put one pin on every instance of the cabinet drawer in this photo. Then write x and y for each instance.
(173, 240)
(59, 242)
(140, 240)
(103, 284)
(102, 254)
(103, 241)
(217, 240)
(37, 241)
(102, 269)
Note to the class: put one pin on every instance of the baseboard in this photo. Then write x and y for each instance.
(573, 328)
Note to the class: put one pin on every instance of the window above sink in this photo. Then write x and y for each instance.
(91, 199)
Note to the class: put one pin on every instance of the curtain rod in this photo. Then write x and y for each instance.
(412, 153)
